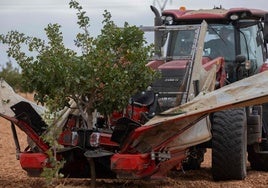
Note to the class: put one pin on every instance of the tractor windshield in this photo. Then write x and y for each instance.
(244, 39)
(220, 41)
(181, 44)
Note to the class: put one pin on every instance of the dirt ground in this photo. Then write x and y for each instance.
(11, 174)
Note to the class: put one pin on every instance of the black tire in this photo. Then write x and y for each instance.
(229, 145)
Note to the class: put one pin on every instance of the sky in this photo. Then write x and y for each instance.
(32, 16)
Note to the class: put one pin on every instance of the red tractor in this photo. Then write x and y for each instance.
(239, 36)
(203, 99)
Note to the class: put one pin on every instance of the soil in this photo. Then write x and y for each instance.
(12, 175)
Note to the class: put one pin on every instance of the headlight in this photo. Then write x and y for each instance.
(234, 17)
(169, 20)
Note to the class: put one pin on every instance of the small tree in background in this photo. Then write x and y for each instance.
(12, 76)
(108, 70)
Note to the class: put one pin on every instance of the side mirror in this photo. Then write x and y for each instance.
(265, 29)
(240, 59)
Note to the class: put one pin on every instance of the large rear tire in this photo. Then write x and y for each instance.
(229, 145)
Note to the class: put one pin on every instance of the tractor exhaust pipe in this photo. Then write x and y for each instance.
(157, 19)
(157, 34)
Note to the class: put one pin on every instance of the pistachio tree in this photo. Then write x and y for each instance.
(102, 74)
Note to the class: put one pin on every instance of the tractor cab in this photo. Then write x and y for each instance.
(188, 43)
(235, 34)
